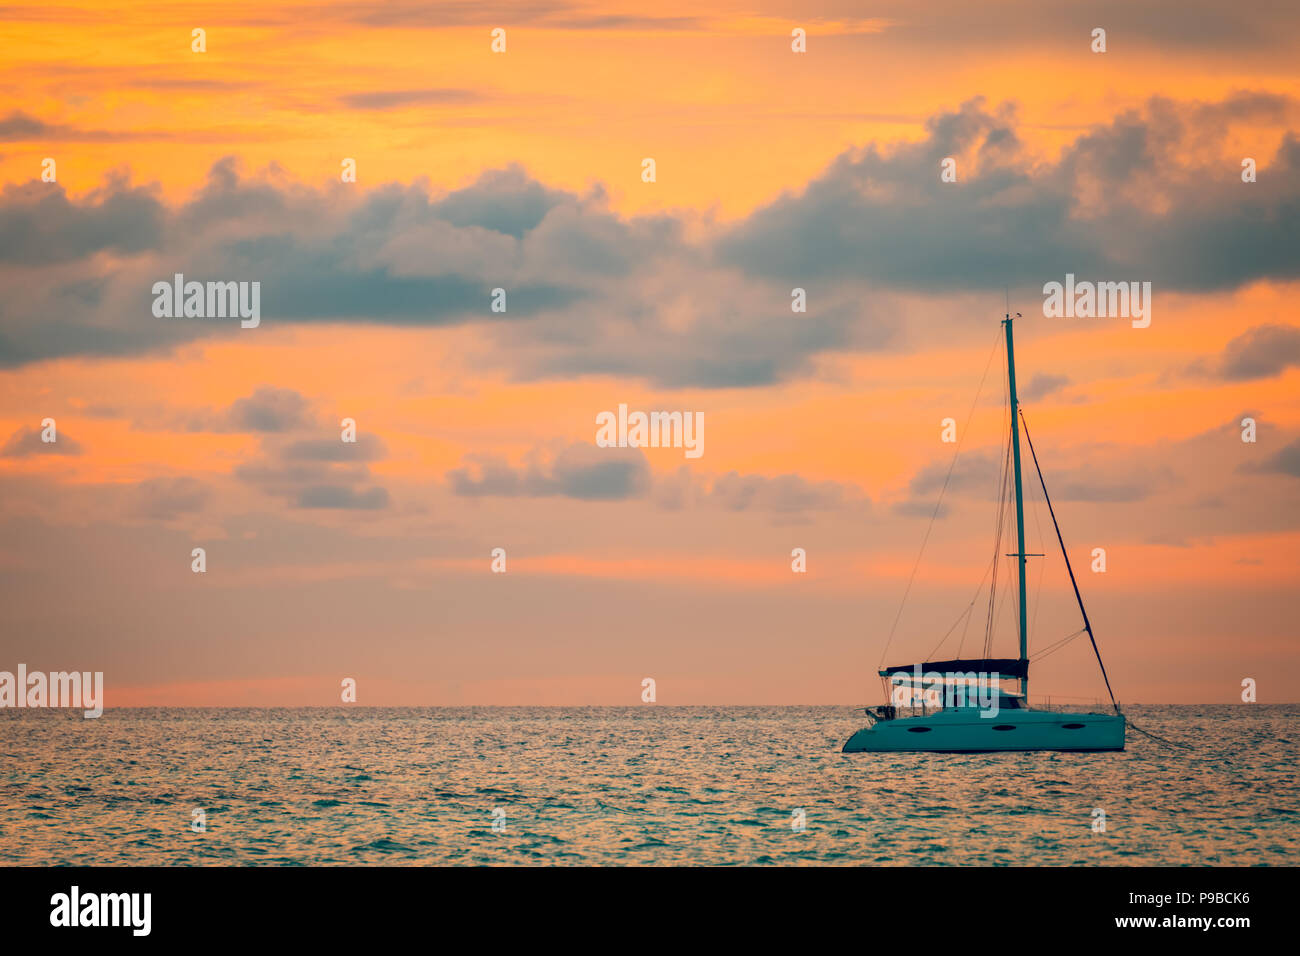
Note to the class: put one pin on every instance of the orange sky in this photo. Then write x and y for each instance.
(685, 577)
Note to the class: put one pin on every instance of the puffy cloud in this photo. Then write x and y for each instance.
(975, 472)
(270, 410)
(40, 225)
(27, 441)
(1261, 352)
(586, 472)
(1134, 199)
(978, 474)
(1042, 385)
(663, 297)
(342, 496)
(1285, 462)
(367, 447)
(168, 498)
(579, 471)
(310, 472)
(781, 493)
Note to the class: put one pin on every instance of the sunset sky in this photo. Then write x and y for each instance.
(522, 170)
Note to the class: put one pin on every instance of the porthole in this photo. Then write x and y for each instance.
(1072, 726)
(1005, 727)
(918, 730)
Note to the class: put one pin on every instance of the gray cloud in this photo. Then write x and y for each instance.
(917, 508)
(1285, 462)
(26, 441)
(590, 473)
(782, 493)
(487, 476)
(366, 448)
(165, 499)
(391, 99)
(1108, 479)
(1196, 26)
(1076, 489)
(593, 293)
(580, 471)
(394, 255)
(1123, 201)
(20, 127)
(1042, 385)
(315, 485)
(550, 16)
(341, 496)
(39, 225)
(1261, 352)
(270, 409)
(314, 472)
(976, 475)
(976, 472)
(1204, 28)
(502, 200)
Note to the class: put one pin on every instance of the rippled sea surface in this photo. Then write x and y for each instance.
(640, 786)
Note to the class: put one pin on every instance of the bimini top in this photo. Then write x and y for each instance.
(1002, 666)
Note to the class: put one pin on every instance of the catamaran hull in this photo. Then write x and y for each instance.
(946, 732)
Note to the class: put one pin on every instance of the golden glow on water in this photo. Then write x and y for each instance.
(630, 786)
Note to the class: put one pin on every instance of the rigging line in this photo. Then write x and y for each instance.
(961, 641)
(1010, 595)
(1004, 497)
(1038, 602)
(999, 532)
(997, 550)
(970, 610)
(1087, 625)
(1057, 646)
(938, 504)
(964, 614)
(1038, 588)
(991, 611)
(1004, 529)
(1013, 595)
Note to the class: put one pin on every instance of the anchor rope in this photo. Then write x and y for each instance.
(1157, 737)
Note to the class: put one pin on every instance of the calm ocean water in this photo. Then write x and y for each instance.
(647, 785)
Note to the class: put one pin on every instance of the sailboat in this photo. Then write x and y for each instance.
(964, 706)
